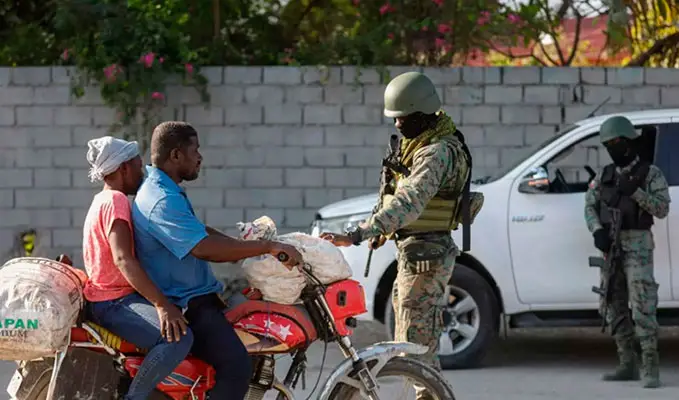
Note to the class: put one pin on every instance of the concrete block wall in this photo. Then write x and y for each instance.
(283, 141)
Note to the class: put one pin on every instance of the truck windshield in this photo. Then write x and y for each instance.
(527, 153)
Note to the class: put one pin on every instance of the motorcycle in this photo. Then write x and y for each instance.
(327, 313)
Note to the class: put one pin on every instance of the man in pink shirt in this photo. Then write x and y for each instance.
(121, 297)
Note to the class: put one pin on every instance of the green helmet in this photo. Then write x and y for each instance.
(409, 93)
(617, 127)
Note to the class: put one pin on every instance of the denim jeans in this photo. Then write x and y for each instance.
(217, 343)
(135, 319)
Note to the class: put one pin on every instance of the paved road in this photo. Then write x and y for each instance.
(529, 365)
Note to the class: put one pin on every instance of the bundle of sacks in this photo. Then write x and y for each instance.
(276, 282)
(40, 300)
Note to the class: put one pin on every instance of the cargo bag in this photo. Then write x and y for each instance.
(40, 300)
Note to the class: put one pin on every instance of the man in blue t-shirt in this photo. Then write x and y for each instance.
(174, 248)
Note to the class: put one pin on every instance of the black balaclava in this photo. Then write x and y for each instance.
(622, 152)
(416, 123)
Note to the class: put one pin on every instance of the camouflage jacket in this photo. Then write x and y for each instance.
(431, 171)
(653, 197)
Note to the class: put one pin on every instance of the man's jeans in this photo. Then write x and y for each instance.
(216, 342)
(136, 320)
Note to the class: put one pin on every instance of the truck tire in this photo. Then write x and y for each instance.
(467, 352)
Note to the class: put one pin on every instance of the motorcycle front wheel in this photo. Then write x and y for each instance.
(413, 370)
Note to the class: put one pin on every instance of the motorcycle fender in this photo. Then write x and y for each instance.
(27, 376)
(382, 352)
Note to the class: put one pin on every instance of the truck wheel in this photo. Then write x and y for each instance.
(471, 320)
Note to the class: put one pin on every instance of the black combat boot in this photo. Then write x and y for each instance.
(627, 369)
(650, 368)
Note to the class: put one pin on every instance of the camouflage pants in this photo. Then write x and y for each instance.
(425, 265)
(636, 285)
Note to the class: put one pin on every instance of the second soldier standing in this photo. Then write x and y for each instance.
(639, 191)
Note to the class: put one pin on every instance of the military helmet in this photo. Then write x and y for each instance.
(617, 127)
(409, 93)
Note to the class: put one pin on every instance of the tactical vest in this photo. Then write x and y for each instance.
(444, 210)
(633, 216)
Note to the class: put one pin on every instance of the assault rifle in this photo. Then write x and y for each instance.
(610, 266)
(390, 163)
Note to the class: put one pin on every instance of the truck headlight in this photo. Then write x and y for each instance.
(338, 224)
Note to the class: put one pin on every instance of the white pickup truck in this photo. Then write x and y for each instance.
(528, 264)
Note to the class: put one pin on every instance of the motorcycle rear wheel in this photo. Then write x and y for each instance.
(406, 367)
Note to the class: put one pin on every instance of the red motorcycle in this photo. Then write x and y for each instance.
(100, 365)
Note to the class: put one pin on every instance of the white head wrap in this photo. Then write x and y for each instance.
(107, 153)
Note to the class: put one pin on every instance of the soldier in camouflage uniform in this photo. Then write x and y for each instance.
(639, 190)
(422, 209)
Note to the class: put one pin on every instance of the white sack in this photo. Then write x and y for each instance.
(273, 279)
(40, 300)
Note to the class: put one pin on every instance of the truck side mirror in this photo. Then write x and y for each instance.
(537, 181)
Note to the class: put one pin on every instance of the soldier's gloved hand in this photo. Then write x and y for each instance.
(601, 240)
(628, 185)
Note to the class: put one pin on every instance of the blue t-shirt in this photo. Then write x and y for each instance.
(165, 232)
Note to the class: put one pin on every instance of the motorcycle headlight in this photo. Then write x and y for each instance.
(337, 225)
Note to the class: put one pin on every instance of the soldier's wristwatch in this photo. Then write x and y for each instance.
(354, 232)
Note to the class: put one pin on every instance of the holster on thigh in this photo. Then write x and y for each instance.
(422, 256)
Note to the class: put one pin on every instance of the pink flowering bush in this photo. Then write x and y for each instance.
(131, 50)
(422, 32)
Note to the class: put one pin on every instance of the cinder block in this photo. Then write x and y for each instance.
(457, 95)
(243, 114)
(7, 116)
(360, 75)
(324, 157)
(263, 177)
(303, 94)
(365, 157)
(341, 136)
(480, 115)
(62, 75)
(14, 138)
(520, 114)
(243, 75)
(321, 197)
(321, 114)
(70, 157)
(284, 157)
(31, 76)
(503, 94)
(103, 116)
(363, 115)
(535, 134)
(223, 136)
(374, 94)
(205, 116)
(73, 198)
(343, 94)
(50, 218)
(264, 94)
(5, 76)
(51, 137)
(283, 114)
(593, 76)
(344, 177)
(305, 136)
(73, 116)
(52, 95)
(33, 198)
(662, 76)
(552, 115)
(12, 218)
(16, 96)
(669, 96)
(206, 197)
(283, 198)
(282, 75)
(304, 177)
(213, 74)
(626, 76)
(16, 178)
(53, 178)
(520, 75)
(247, 157)
(33, 157)
(648, 95)
(504, 135)
(67, 237)
(6, 198)
(542, 95)
(226, 95)
(443, 76)
(262, 135)
(597, 94)
(560, 76)
(226, 178)
(322, 75)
